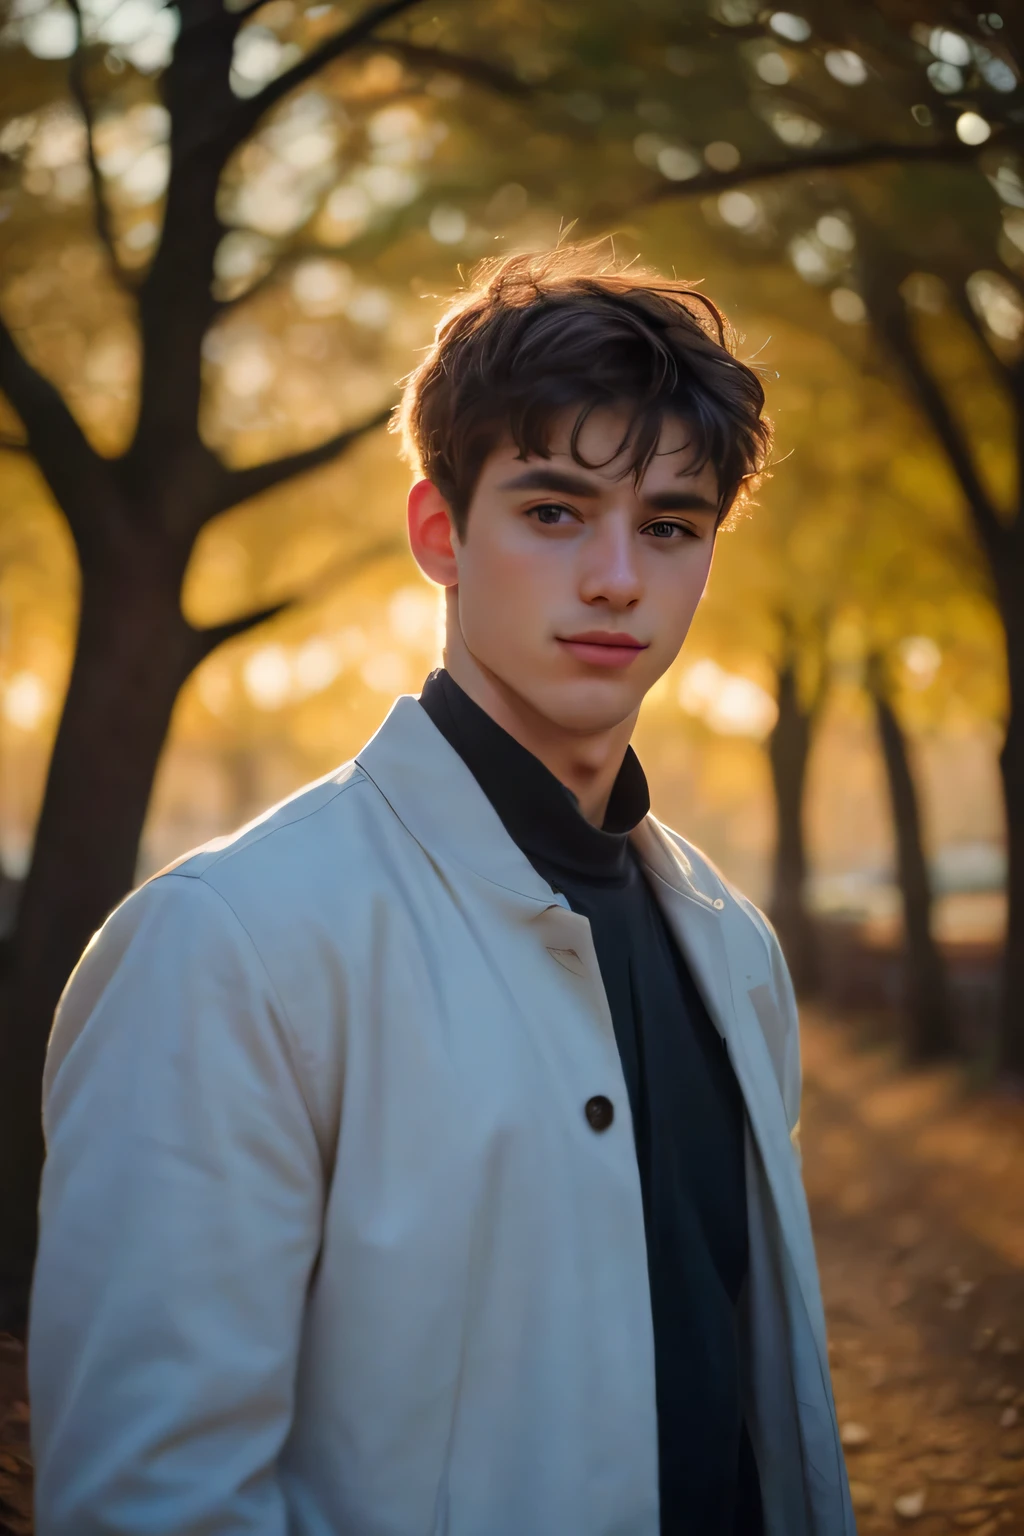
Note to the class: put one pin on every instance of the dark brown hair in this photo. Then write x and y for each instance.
(532, 336)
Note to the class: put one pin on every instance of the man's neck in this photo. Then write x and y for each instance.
(586, 764)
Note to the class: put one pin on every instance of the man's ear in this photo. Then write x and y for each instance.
(430, 534)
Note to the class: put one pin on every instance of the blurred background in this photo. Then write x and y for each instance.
(225, 233)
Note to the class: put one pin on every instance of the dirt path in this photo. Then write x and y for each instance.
(15, 1473)
(917, 1195)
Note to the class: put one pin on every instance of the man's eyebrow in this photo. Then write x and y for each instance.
(547, 478)
(680, 501)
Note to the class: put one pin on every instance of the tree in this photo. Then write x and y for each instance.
(930, 1033)
(1001, 536)
(789, 749)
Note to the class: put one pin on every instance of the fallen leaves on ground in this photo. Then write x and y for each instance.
(917, 1201)
(15, 1463)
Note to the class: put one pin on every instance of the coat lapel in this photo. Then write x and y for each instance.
(724, 974)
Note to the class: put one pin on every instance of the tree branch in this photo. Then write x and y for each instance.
(337, 572)
(239, 484)
(850, 158)
(1011, 372)
(892, 325)
(965, 309)
(174, 298)
(74, 471)
(76, 79)
(342, 42)
(210, 636)
(476, 71)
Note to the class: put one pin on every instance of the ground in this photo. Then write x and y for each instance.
(916, 1187)
(917, 1198)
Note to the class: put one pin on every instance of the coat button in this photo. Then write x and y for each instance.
(600, 1112)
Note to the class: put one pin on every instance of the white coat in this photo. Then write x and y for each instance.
(328, 1246)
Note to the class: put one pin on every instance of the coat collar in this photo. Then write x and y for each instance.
(438, 800)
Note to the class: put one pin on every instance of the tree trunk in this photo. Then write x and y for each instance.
(788, 751)
(930, 1029)
(1002, 540)
(133, 653)
(1011, 762)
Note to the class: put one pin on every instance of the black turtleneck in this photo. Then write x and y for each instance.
(686, 1105)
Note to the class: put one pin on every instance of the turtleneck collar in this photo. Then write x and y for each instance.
(538, 812)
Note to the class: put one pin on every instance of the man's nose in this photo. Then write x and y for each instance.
(611, 570)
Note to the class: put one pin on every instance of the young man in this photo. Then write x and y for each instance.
(422, 1159)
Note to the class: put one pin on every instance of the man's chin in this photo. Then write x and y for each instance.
(584, 708)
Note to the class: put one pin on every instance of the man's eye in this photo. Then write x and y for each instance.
(663, 530)
(549, 513)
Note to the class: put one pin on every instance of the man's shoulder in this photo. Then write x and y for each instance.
(321, 842)
(323, 808)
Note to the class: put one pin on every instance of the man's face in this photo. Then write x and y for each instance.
(576, 587)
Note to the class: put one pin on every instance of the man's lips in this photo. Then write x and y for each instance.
(605, 637)
(603, 648)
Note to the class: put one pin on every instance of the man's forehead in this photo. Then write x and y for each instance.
(612, 426)
(604, 448)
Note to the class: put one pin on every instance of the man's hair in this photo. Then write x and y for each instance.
(532, 336)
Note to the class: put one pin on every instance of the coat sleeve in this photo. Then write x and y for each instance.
(792, 1073)
(784, 1041)
(180, 1219)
